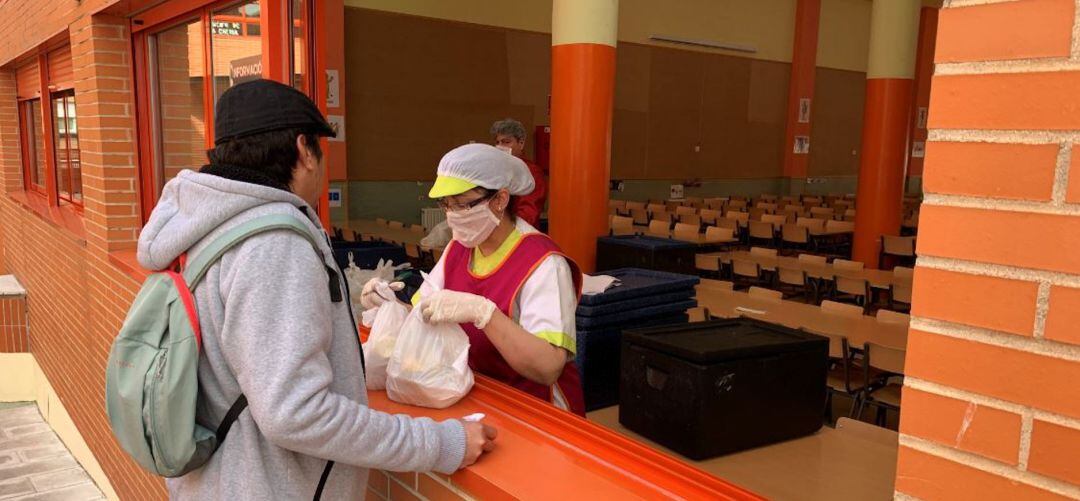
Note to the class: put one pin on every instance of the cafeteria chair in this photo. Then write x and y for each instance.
(709, 216)
(396, 225)
(811, 223)
(728, 223)
(816, 285)
(656, 207)
(354, 236)
(659, 228)
(622, 225)
(768, 207)
(617, 204)
(812, 259)
(755, 214)
(722, 285)
(640, 216)
(337, 233)
(892, 317)
(735, 204)
(902, 248)
(682, 210)
(417, 228)
(775, 219)
(762, 233)
(883, 382)
(707, 265)
(631, 205)
(844, 376)
(821, 213)
(793, 212)
(673, 205)
(793, 282)
(763, 252)
(900, 296)
(839, 226)
(661, 216)
(699, 314)
(763, 293)
(746, 273)
(693, 219)
(847, 310)
(412, 252)
(381, 221)
(856, 289)
(847, 265)
(769, 197)
(715, 203)
(794, 237)
(687, 232)
(717, 234)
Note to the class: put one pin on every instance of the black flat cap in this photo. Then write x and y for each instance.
(265, 105)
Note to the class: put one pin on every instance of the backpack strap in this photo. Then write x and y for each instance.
(197, 268)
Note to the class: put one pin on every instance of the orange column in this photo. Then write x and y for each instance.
(801, 90)
(582, 89)
(889, 85)
(924, 69)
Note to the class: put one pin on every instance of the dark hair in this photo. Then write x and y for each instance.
(268, 157)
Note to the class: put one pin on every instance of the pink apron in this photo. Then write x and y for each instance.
(502, 286)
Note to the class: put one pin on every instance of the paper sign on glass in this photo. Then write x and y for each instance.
(804, 110)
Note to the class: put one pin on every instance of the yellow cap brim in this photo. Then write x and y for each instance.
(446, 186)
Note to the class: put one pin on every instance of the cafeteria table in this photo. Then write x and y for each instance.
(382, 232)
(879, 279)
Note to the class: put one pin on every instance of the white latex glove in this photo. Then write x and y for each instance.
(447, 306)
(378, 291)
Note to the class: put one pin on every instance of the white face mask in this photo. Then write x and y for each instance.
(472, 226)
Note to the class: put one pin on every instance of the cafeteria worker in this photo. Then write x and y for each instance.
(509, 286)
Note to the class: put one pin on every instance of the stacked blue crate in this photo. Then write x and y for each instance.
(644, 298)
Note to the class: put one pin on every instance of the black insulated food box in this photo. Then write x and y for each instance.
(652, 253)
(711, 388)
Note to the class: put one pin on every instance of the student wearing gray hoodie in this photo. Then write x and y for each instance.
(272, 328)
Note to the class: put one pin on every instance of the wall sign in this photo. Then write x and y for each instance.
(676, 191)
(921, 120)
(802, 145)
(333, 86)
(918, 149)
(337, 122)
(804, 110)
(245, 69)
(335, 197)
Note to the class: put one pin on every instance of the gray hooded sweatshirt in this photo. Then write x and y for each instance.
(271, 332)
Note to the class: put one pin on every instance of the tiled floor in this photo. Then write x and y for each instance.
(34, 464)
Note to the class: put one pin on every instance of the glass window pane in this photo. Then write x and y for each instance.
(177, 67)
(236, 57)
(299, 45)
(73, 149)
(35, 141)
(63, 167)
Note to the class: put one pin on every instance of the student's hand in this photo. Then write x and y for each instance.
(378, 291)
(479, 438)
(447, 306)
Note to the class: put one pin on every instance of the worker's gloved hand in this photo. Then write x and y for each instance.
(457, 307)
(378, 291)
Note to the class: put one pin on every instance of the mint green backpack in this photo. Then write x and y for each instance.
(152, 378)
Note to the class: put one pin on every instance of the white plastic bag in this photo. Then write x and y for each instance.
(357, 277)
(385, 327)
(439, 236)
(430, 364)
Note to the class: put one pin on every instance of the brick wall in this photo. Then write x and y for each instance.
(13, 324)
(992, 404)
(417, 486)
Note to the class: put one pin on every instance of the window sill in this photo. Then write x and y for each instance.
(127, 262)
(65, 217)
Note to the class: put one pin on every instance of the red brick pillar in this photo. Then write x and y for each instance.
(13, 334)
(991, 407)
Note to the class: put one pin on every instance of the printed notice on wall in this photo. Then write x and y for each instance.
(337, 122)
(804, 110)
(676, 191)
(920, 122)
(918, 149)
(333, 86)
(802, 145)
(334, 195)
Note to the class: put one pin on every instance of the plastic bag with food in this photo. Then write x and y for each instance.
(356, 277)
(430, 364)
(385, 327)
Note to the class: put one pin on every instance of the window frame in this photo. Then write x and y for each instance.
(65, 94)
(27, 154)
(276, 36)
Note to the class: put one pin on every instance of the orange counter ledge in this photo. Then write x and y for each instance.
(545, 453)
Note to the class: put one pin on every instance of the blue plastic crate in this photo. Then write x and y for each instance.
(635, 303)
(654, 253)
(366, 255)
(637, 282)
(598, 353)
(624, 317)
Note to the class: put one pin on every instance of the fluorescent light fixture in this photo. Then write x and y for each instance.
(704, 43)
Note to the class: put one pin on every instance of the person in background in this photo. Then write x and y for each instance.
(272, 329)
(510, 135)
(509, 286)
